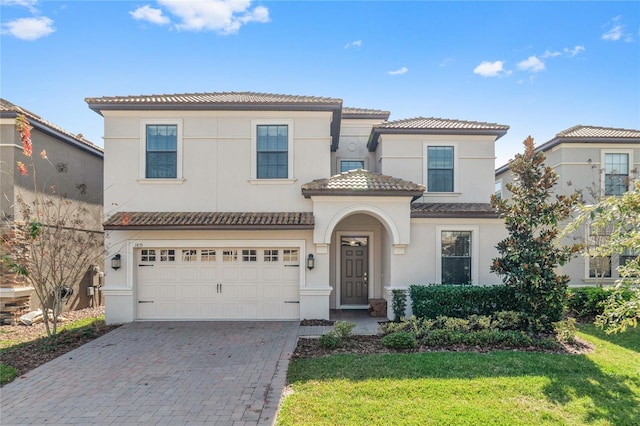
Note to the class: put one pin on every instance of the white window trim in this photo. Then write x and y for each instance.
(254, 151)
(456, 167)
(603, 153)
(143, 152)
(475, 249)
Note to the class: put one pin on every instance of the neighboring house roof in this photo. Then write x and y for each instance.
(586, 134)
(245, 101)
(10, 110)
(434, 126)
(348, 112)
(362, 182)
(209, 220)
(449, 210)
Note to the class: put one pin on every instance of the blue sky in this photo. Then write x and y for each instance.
(539, 67)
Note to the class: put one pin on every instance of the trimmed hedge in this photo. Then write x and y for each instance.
(436, 300)
(586, 303)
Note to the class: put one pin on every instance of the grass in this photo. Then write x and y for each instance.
(498, 388)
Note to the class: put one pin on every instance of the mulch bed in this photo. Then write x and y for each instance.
(368, 345)
(316, 322)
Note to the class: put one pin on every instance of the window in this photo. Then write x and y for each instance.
(346, 165)
(290, 255)
(229, 255)
(249, 256)
(190, 255)
(498, 189)
(167, 255)
(627, 255)
(161, 151)
(271, 255)
(599, 266)
(273, 151)
(440, 169)
(456, 257)
(208, 255)
(616, 173)
(147, 255)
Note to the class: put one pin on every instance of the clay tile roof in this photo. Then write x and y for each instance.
(210, 101)
(362, 182)
(431, 125)
(348, 112)
(9, 109)
(446, 210)
(210, 220)
(592, 134)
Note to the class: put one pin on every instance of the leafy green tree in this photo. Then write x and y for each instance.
(619, 216)
(530, 254)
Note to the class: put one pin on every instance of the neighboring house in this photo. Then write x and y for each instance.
(597, 162)
(263, 206)
(76, 172)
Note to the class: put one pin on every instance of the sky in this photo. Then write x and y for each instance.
(539, 67)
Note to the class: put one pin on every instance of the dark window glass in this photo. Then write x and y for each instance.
(616, 174)
(456, 257)
(440, 169)
(273, 151)
(162, 151)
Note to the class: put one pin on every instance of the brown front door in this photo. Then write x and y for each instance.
(354, 269)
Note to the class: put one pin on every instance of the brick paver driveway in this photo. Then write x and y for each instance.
(171, 373)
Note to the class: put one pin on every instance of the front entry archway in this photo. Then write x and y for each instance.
(354, 267)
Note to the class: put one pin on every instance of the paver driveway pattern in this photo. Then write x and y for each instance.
(171, 373)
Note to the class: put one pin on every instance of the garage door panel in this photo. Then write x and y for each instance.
(219, 283)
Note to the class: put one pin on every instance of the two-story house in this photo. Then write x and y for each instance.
(74, 168)
(598, 162)
(263, 206)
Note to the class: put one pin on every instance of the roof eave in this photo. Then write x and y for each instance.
(207, 227)
(603, 140)
(372, 144)
(445, 215)
(308, 193)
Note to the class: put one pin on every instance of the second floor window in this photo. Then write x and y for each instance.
(346, 165)
(272, 151)
(161, 151)
(616, 173)
(440, 169)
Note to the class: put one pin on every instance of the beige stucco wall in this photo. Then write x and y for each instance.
(354, 135)
(405, 156)
(216, 162)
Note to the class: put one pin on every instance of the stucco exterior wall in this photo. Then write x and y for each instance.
(354, 135)
(405, 156)
(220, 143)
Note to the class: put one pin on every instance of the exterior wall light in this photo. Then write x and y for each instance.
(311, 262)
(116, 262)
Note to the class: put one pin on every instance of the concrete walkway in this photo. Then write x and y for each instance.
(365, 324)
(164, 373)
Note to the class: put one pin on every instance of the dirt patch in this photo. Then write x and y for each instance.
(367, 345)
(316, 322)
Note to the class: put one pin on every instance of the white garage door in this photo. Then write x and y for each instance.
(218, 283)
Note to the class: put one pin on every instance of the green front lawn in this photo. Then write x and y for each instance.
(498, 388)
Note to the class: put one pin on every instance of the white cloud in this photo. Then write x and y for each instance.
(399, 71)
(614, 34)
(148, 13)
(491, 69)
(532, 63)
(223, 16)
(29, 28)
(446, 62)
(550, 54)
(575, 51)
(357, 43)
(29, 4)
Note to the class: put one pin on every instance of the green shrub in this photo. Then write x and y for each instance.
(460, 301)
(400, 340)
(479, 322)
(507, 320)
(586, 303)
(330, 340)
(343, 329)
(398, 303)
(566, 330)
